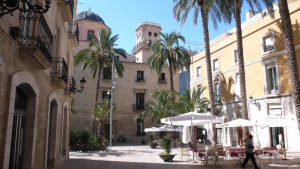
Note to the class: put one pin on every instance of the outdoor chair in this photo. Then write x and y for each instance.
(242, 149)
(222, 157)
(211, 149)
(220, 148)
(234, 157)
(266, 154)
(211, 156)
(184, 153)
(282, 156)
(200, 156)
(260, 155)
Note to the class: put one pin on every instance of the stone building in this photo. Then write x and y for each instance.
(267, 80)
(130, 92)
(36, 67)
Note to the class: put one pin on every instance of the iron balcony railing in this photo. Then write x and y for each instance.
(36, 32)
(139, 107)
(59, 69)
(140, 79)
(73, 29)
(139, 45)
(71, 84)
(71, 3)
(272, 89)
(162, 80)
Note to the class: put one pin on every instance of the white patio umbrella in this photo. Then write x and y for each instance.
(186, 135)
(187, 120)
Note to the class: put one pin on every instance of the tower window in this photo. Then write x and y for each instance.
(155, 34)
(149, 43)
(149, 33)
(89, 37)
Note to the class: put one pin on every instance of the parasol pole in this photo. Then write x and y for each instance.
(192, 142)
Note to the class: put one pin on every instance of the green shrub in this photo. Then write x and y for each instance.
(85, 136)
(151, 138)
(95, 140)
(75, 135)
(167, 144)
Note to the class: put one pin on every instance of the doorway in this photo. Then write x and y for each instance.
(202, 135)
(107, 131)
(52, 134)
(275, 136)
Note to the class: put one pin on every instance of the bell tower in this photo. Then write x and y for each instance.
(146, 35)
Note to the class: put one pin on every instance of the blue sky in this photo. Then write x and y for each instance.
(122, 16)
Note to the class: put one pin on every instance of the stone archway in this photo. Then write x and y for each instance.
(28, 84)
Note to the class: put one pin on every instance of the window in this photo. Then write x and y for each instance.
(198, 87)
(149, 33)
(155, 34)
(219, 136)
(162, 78)
(149, 43)
(89, 37)
(215, 64)
(218, 113)
(105, 95)
(274, 109)
(268, 42)
(272, 87)
(106, 73)
(235, 57)
(140, 127)
(140, 101)
(140, 76)
(217, 91)
(239, 112)
(199, 72)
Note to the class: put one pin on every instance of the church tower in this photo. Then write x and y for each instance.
(146, 35)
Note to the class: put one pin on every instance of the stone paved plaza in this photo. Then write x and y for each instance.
(129, 156)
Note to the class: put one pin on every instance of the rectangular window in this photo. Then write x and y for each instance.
(198, 87)
(217, 91)
(140, 76)
(89, 37)
(105, 95)
(106, 73)
(199, 72)
(236, 57)
(269, 44)
(162, 77)
(219, 136)
(140, 101)
(155, 34)
(274, 109)
(216, 65)
(272, 79)
(149, 33)
(140, 127)
(239, 114)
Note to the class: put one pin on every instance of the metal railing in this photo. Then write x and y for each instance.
(71, 2)
(71, 84)
(136, 107)
(272, 89)
(140, 79)
(36, 32)
(59, 69)
(141, 44)
(73, 29)
(162, 80)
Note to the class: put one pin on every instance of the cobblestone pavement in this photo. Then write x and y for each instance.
(128, 156)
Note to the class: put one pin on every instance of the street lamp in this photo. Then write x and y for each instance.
(9, 6)
(112, 100)
(73, 89)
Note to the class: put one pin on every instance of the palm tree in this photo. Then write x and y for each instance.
(168, 49)
(236, 5)
(290, 54)
(99, 55)
(98, 113)
(160, 108)
(206, 8)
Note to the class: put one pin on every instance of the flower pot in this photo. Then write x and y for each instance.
(153, 145)
(167, 157)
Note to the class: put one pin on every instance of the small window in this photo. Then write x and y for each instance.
(89, 37)
(149, 33)
(106, 73)
(105, 95)
(217, 91)
(198, 87)
(268, 43)
(199, 72)
(274, 109)
(216, 64)
(140, 76)
(162, 78)
(272, 87)
(235, 57)
(155, 34)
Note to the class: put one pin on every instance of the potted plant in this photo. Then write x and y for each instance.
(166, 156)
(152, 144)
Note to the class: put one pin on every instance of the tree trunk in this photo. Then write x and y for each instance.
(239, 38)
(291, 55)
(194, 139)
(97, 93)
(101, 132)
(171, 78)
(209, 73)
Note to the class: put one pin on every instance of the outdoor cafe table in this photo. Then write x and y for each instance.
(239, 155)
(201, 154)
(273, 153)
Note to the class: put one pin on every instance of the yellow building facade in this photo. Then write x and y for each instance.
(267, 78)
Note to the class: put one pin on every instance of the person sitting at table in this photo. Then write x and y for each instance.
(249, 151)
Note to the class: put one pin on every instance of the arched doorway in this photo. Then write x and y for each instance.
(52, 134)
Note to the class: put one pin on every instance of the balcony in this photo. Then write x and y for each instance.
(139, 107)
(66, 9)
(73, 32)
(59, 70)
(272, 89)
(140, 45)
(140, 79)
(36, 41)
(164, 81)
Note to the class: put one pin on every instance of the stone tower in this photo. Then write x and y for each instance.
(146, 35)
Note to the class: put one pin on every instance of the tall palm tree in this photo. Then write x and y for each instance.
(168, 49)
(290, 54)
(98, 113)
(235, 9)
(160, 108)
(206, 8)
(99, 55)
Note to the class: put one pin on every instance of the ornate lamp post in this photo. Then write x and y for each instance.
(73, 89)
(9, 6)
(112, 101)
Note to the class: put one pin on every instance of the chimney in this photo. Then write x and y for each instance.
(189, 49)
(250, 14)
